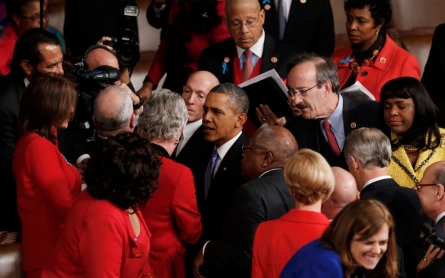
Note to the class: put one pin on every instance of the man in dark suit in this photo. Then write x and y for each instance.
(265, 197)
(368, 154)
(36, 51)
(308, 25)
(326, 116)
(192, 146)
(225, 111)
(227, 59)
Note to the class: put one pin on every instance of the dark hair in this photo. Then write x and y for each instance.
(364, 218)
(46, 103)
(123, 170)
(427, 116)
(16, 7)
(27, 48)
(324, 66)
(238, 98)
(381, 10)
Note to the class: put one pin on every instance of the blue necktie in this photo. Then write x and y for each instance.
(209, 173)
(281, 19)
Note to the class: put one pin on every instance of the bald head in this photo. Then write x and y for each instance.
(113, 111)
(270, 147)
(101, 57)
(236, 4)
(345, 192)
(195, 92)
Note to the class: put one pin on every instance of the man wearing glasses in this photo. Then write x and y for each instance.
(250, 51)
(368, 154)
(326, 116)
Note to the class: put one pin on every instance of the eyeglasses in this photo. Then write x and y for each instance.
(301, 93)
(250, 23)
(36, 17)
(246, 147)
(418, 186)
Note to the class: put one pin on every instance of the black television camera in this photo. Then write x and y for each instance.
(429, 237)
(127, 44)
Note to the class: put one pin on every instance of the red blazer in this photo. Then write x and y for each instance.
(392, 62)
(197, 43)
(172, 216)
(276, 241)
(98, 240)
(46, 188)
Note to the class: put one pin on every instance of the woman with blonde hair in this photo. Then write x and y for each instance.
(360, 242)
(311, 182)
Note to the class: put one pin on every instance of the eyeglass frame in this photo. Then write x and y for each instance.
(302, 93)
(417, 187)
(34, 20)
(242, 23)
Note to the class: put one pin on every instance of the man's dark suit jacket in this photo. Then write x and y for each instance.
(356, 114)
(310, 25)
(435, 69)
(439, 227)
(228, 178)
(404, 206)
(214, 56)
(196, 154)
(11, 92)
(259, 200)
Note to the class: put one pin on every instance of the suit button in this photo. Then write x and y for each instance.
(365, 73)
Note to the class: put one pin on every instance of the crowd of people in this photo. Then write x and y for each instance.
(180, 182)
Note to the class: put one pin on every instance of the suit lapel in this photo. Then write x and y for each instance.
(378, 185)
(349, 114)
(232, 154)
(268, 53)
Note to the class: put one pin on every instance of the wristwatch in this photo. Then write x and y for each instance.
(141, 102)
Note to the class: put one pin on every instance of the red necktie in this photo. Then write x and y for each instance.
(247, 66)
(332, 141)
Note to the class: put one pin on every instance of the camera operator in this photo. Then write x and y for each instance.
(431, 193)
(36, 51)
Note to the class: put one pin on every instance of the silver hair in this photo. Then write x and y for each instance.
(123, 111)
(267, 138)
(165, 115)
(370, 146)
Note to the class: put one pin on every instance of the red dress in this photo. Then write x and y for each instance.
(98, 240)
(276, 241)
(173, 217)
(391, 62)
(46, 188)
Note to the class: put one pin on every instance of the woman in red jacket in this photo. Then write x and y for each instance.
(46, 183)
(373, 57)
(104, 233)
(172, 213)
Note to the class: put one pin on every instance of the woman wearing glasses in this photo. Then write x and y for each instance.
(411, 120)
(22, 15)
(373, 57)
(311, 182)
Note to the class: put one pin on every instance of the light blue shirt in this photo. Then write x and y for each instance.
(257, 51)
(336, 122)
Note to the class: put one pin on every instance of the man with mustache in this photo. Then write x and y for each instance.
(327, 117)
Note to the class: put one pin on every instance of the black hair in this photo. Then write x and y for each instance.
(123, 170)
(427, 116)
(238, 98)
(381, 10)
(16, 7)
(27, 48)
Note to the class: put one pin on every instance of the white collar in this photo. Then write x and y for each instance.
(440, 216)
(190, 128)
(257, 48)
(270, 170)
(224, 148)
(375, 179)
(26, 82)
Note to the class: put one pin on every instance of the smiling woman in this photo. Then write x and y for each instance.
(411, 120)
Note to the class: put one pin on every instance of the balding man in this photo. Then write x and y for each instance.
(368, 154)
(250, 51)
(345, 192)
(265, 197)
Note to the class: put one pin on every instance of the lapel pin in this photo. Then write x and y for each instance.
(224, 169)
(303, 1)
(347, 60)
(267, 7)
(224, 68)
(383, 60)
(274, 59)
(353, 125)
(226, 60)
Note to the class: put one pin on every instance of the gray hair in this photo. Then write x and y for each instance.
(165, 115)
(121, 105)
(324, 66)
(266, 137)
(370, 146)
(238, 98)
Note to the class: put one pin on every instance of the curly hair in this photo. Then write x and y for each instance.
(123, 170)
(381, 10)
